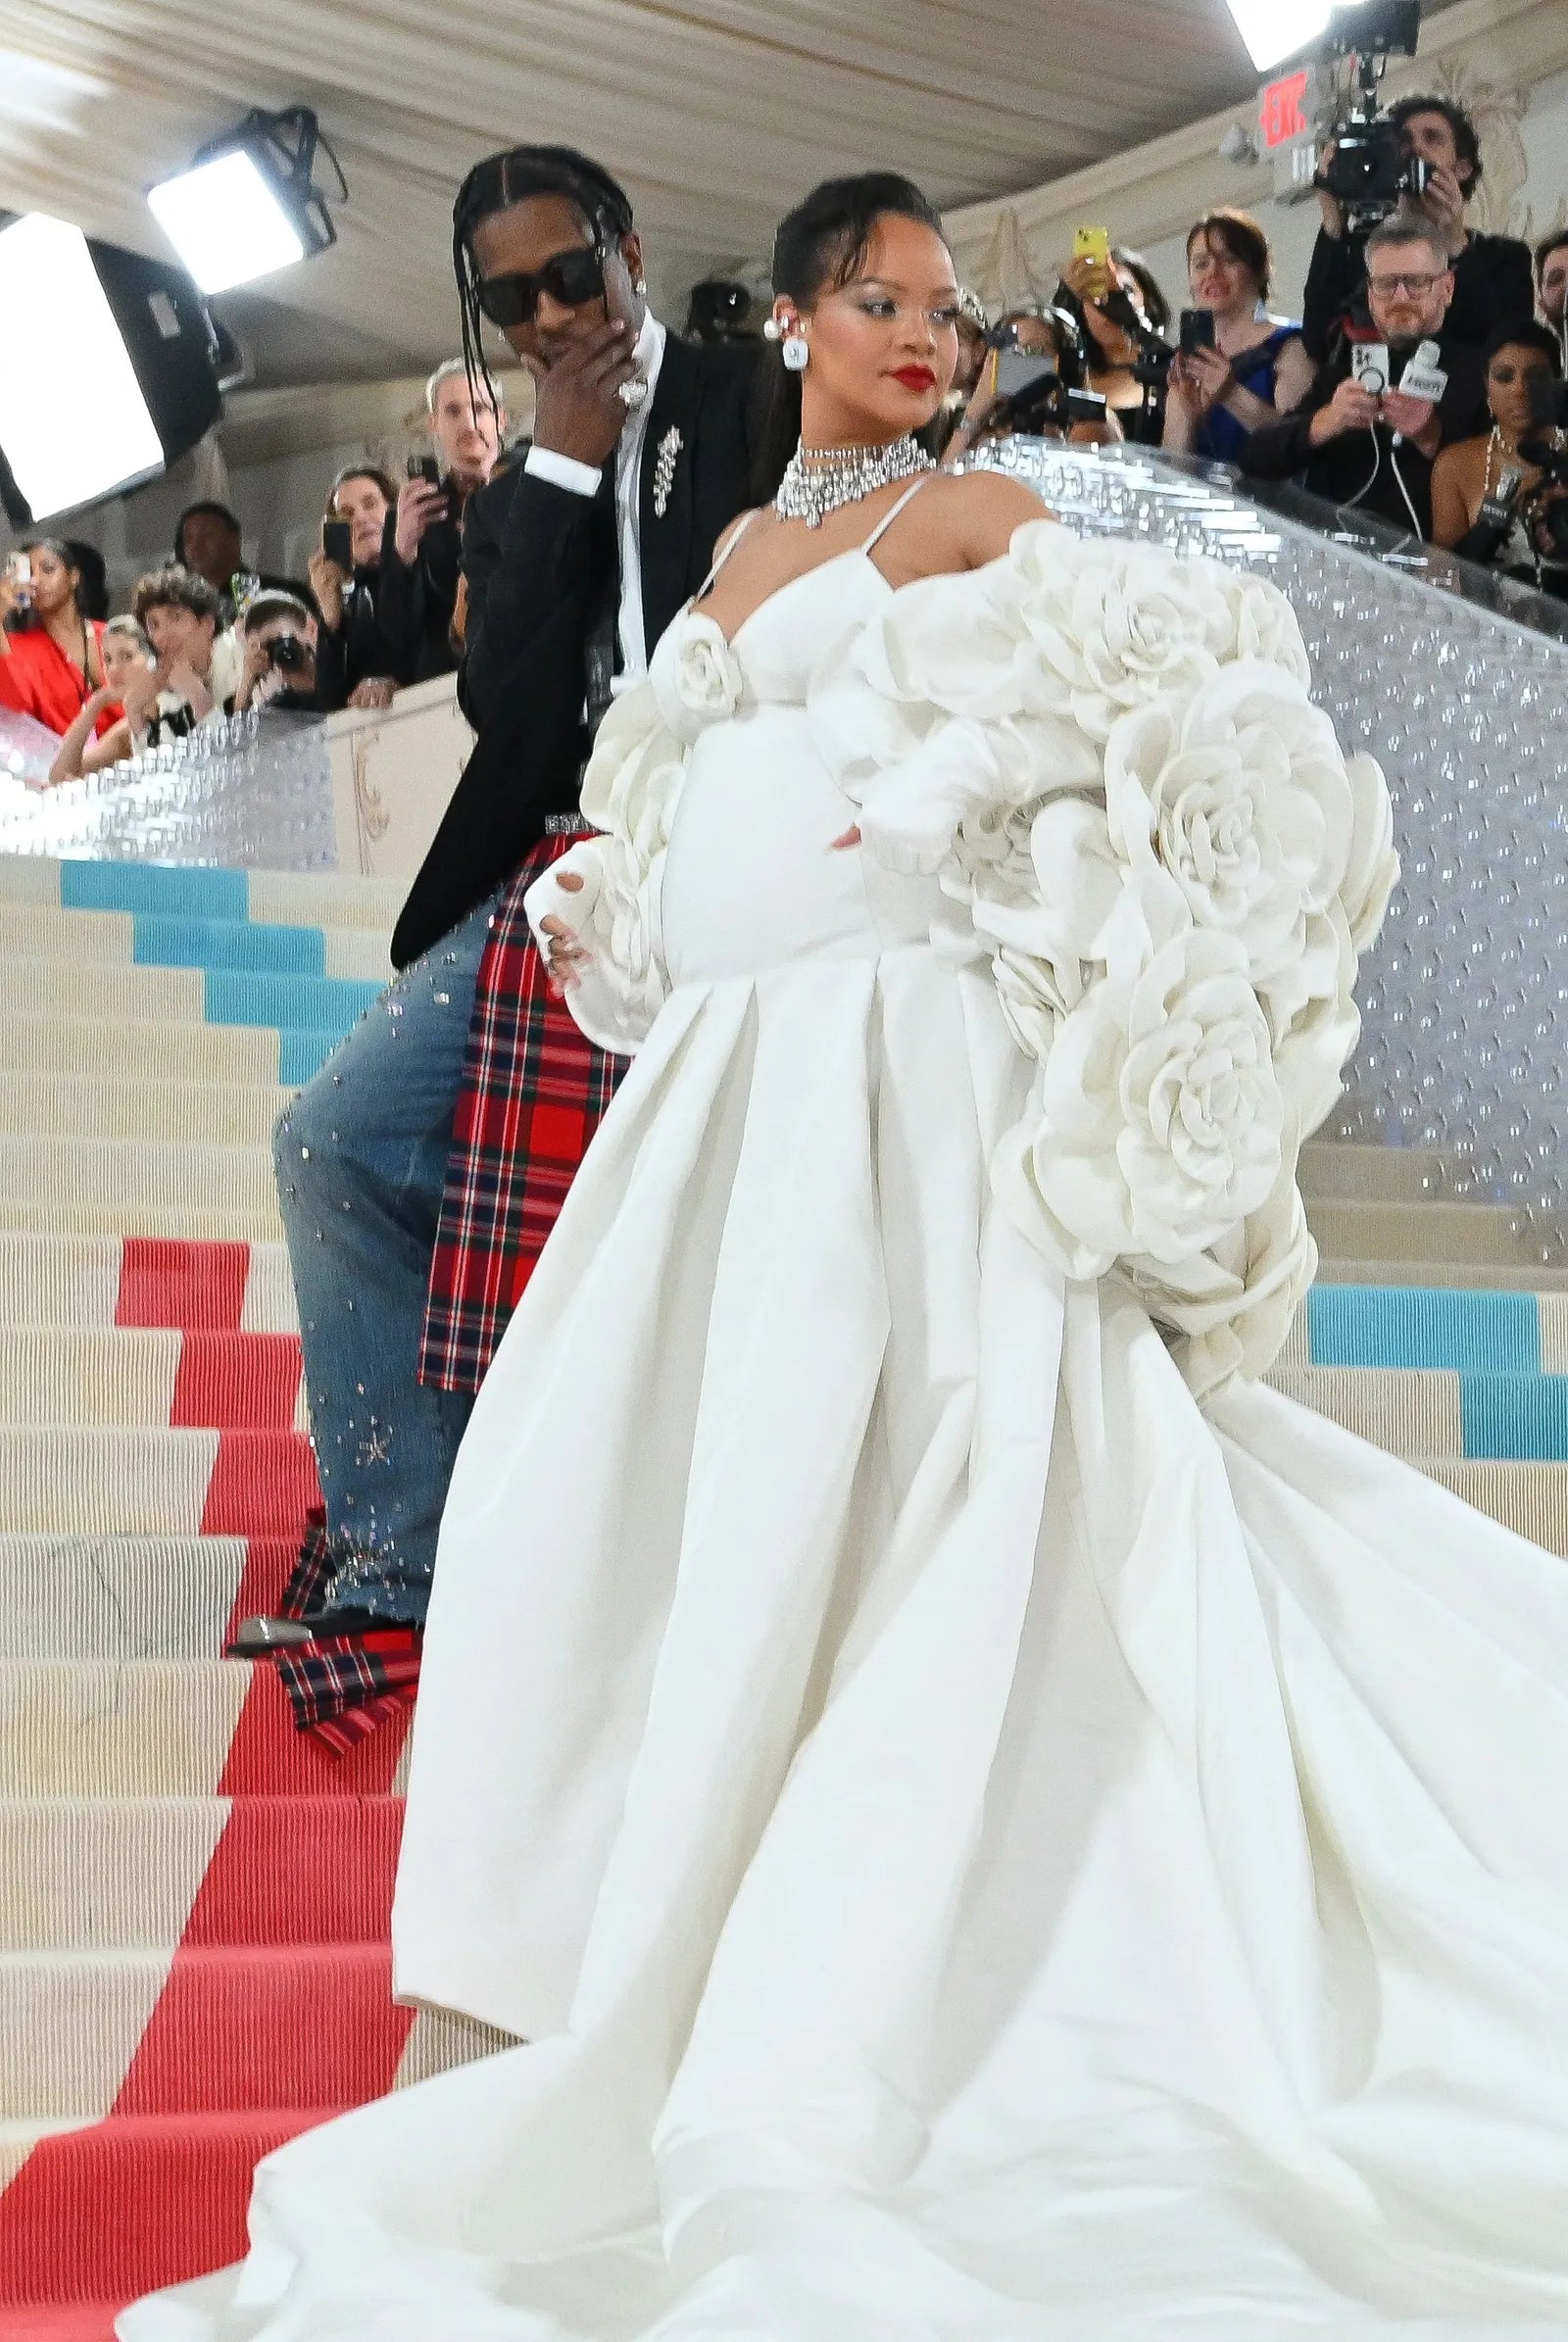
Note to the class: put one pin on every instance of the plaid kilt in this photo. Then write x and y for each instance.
(343, 1687)
(533, 1093)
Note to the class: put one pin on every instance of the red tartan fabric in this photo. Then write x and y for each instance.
(533, 1093)
(342, 1687)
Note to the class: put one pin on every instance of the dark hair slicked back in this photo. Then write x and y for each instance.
(817, 248)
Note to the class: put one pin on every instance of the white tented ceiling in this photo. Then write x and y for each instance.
(717, 115)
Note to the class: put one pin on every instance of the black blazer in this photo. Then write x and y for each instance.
(542, 565)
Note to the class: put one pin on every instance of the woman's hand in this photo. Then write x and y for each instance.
(1207, 375)
(567, 953)
(183, 679)
(11, 590)
(376, 691)
(139, 698)
(329, 584)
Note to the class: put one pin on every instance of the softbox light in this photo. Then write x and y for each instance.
(140, 388)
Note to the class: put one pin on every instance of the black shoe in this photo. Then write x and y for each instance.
(264, 1637)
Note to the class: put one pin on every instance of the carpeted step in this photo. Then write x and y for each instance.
(111, 1107)
(85, 1874)
(1411, 1411)
(138, 1482)
(71, 2023)
(138, 1280)
(1532, 1499)
(99, 1186)
(1464, 1276)
(86, 1596)
(156, 940)
(122, 2208)
(1469, 1235)
(224, 1381)
(100, 990)
(311, 899)
(148, 1050)
(149, 1728)
(1333, 1170)
(1406, 1325)
(329, 1004)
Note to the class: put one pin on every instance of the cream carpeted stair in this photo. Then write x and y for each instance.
(193, 1918)
(193, 1925)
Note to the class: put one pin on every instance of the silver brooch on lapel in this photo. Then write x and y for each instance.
(669, 448)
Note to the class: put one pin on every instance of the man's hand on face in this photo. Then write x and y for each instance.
(418, 505)
(578, 410)
(1351, 409)
(1443, 205)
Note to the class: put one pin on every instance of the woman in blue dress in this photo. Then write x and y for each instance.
(1257, 368)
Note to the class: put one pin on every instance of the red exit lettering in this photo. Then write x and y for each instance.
(1285, 110)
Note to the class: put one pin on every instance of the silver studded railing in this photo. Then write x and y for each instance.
(252, 792)
(1464, 1000)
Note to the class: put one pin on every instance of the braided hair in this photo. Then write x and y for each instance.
(495, 185)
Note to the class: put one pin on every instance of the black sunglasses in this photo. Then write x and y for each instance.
(570, 278)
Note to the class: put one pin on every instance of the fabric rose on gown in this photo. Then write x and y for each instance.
(1115, 626)
(1159, 1121)
(703, 683)
(1231, 1308)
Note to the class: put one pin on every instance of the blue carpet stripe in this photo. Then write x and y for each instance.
(1520, 1418)
(162, 941)
(301, 1054)
(328, 1004)
(1370, 1325)
(155, 887)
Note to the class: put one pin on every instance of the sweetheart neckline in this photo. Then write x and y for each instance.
(851, 553)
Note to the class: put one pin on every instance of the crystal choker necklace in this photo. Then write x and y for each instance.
(819, 479)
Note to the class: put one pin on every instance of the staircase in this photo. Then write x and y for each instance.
(193, 1899)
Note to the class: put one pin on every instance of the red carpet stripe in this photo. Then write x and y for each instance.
(171, 1282)
(233, 1381)
(261, 1480)
(268, 1565)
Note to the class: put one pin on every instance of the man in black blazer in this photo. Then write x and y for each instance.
(576, 556)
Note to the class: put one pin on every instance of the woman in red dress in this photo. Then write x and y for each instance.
(50, 658)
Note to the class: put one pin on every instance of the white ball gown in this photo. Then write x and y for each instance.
(996, 1827)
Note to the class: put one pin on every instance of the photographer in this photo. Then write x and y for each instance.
(1123, 322)
(1370, 429)
(356, 665)
(1493, 281)
(1256, 368)
(421, 541)
(126, 699)
(280, 637)
(1033, 380)
(1489, 502)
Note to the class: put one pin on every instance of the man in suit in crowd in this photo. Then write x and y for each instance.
(577, 555)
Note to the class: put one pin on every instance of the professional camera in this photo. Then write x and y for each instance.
(1041, 390)
(1151, 367)
(720, 311)
(1369, 172)
(287, 653)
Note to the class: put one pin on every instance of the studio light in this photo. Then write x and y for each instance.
(248, 204)
(1274, 29)
(139, 389)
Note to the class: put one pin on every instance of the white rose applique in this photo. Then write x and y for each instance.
(1158, 1122)
(707, 674)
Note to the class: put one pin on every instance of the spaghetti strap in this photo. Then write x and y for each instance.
(711, 579)
(887, 517)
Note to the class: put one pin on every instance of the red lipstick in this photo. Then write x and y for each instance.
(915, 378)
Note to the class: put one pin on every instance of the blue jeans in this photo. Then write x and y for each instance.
(362, 1159)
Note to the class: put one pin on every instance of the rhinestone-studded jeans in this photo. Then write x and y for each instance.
(361, 1157)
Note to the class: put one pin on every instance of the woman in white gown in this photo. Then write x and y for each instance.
(996, 1827)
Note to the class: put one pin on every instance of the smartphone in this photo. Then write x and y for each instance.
(1020, 370)
(1197, 331)
(1369, 365)
(19, 568)
(426, 468)
(1093, 244)
(337, 543)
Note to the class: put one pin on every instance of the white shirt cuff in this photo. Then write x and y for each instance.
(564, 470)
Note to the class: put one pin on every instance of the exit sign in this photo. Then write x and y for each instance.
(1284, 111)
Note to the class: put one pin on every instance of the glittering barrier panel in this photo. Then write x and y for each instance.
(252, 792)
(1464, 998)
